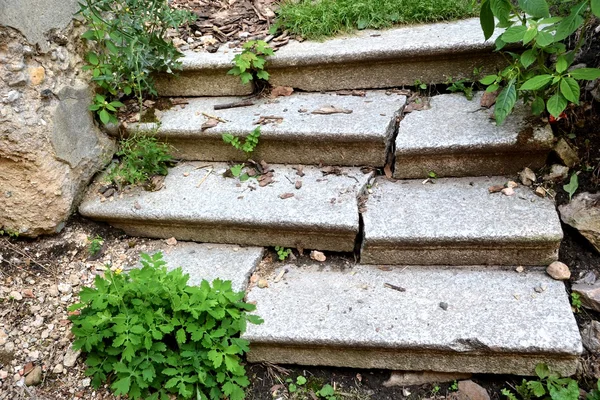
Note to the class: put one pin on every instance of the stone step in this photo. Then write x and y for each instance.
(457, 137)
(197, 203)
(443, 319)
(209, 261)
(295, 136)
(429, 53)
(456, 221)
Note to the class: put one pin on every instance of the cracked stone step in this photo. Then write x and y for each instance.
(209, 261)
(294, 135)
(429, 53)
(456, 137)
(494, 321)
(456, 221)
(197, 203)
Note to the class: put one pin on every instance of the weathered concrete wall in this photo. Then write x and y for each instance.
(50, 146)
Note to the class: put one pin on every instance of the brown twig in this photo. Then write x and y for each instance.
(390, 286)
(242, 103)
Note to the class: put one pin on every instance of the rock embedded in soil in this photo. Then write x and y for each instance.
(527, 176)
(590, 336)
(557, 172)
(583, 214)
(469, 390)
(403, 378)
(70, 357)
(559, 271)
(566, 153)
(589, 294)
(34, 377)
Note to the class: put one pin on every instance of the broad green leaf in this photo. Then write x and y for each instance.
(568, 26)
(514, 34)
(537, 388)
(596, 10)
(492, 88)
(104, 116)
(561, 64)
(505, 102)
(264, 75)
(544, 39)
(538, 106)
(530, 34)
(537, 82)
(570, 89)
(180, 336)
(246, 77)
(488, 80)
(92, 58)
(556, 105)
(501, 10)
(528, 58)
(587, 74)
(535, 8)
(486, 19)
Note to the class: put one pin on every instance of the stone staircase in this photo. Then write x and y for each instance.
(436, 286)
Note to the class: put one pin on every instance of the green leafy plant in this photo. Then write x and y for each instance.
(541, 75)
(420, 85)
(141, 157)
(572, 186)
(95, 245)
(549, 386)
(282, 252)
(454, 386)
(327, 392)
(13, 233)
(250, 63)
(293, 387)
(127, 45)
(150, 335)
(248, 144)
(594, 394)
(576, 301)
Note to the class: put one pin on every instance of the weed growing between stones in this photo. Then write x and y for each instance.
(142, 156)
(151, 336)
(543, 75)
(95, 245)
(127, 45)
(250, 64)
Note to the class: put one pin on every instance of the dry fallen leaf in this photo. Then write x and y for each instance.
(299, 170)
(489, 99)
(358, 93)
(330, 170)
(210, 123)
(317, 256)
(281, 91)
(327, 110)
(269, 119)
(286, 195)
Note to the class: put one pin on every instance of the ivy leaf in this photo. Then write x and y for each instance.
(535, 8)
(587, 74)
(572, 186)
(505, 102)
(486, 19)
(537, 82)
(556, 105)
(570, 89)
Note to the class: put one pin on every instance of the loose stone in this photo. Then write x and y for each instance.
(559, 271)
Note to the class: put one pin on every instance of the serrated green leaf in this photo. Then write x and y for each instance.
(537, 388)
(528, 58)
(488, 80)
(587, 74)
(561, 64)
(530, 34)
(544, 39)
(538, 106)
(514, 34)
(505, 102)
(556, 105)
(121, 386)
(537, 82)
(535, 8)
(501, 10)
(570, 89)
(568, 26)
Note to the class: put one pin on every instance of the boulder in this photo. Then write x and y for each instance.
(590, 336)
(589, 294)
(583, 214)
(50, 146)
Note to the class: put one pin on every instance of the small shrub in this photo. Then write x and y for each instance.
(542, 75)
(250, 64)
(95, 245)
(549, 386)
(127, 45)
(150, 335)
(141, 157)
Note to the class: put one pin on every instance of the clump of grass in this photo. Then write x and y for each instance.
(317, 19)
